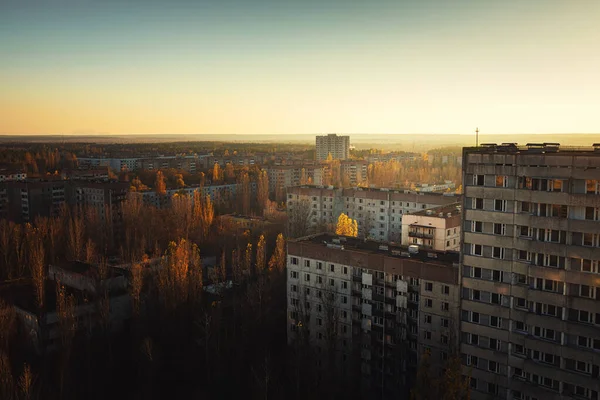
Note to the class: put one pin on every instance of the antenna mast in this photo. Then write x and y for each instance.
(476, 137)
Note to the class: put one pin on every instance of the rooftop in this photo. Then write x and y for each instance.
(532, 148)
(445, 211)
(328, 240)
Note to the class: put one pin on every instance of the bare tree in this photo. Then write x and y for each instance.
(299, 216)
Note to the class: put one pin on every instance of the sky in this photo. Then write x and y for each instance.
(290, 67)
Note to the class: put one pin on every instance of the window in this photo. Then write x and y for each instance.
(476, 226)
(428, 303)
(473, 339)
(319, 265)
(427, 335)
(501, 181)
(294, 274)
(492, 388)
(307, 291)
(499, 229)
(294, 288)
(520, 302)
(445, 306)
(493, 366)
(497, 275)
(477, 203)
(525, 207)
(294, 261)
(476, 250)
(445, 289)
(478, 180)
(345, 270)
(591, 213)
(520, 326)
(445, 322)
(331, 268)
(319, 279)
(331, 282)
(307, 277)
(444, 339)
(499, 205)
(344, 285)
(494, 344)
(344, 300)
(427, 318)
(307, 263)
(472, 360)
(428, 286)
(498, 252)
(476, 272)
(474, 317)
(592, 186)
(495, 321)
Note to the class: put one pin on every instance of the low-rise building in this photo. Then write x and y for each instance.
(436, 228)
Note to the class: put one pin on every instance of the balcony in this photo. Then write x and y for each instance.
(421, 235)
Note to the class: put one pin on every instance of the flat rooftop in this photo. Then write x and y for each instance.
(328, 240)
(445, 211)
(532, 148)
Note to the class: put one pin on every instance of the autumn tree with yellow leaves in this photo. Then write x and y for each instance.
(346, 226)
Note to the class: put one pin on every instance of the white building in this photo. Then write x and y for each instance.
(378, 211)
(337, 146)
(436, 228)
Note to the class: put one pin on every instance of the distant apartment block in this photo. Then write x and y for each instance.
(337, 146)
(283, 176)
(383, 305)
(218, 193)
(9, 174)
(437, 228)
(530, 274)
(378, 212)
(23, 201)
(353, 172)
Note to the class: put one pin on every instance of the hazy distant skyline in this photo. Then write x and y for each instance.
(286, 67)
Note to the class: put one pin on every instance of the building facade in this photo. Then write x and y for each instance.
(376, 305)
(378, 212)
(530, 316)
(436, 228)
(337, 146)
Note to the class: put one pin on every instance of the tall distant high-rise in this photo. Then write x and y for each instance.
(337, 146)
(530, 283)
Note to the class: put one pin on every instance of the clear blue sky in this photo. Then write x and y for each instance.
(427, 66)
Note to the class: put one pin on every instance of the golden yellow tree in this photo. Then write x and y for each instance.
(277, 261)
(216, 173)
(346, 226)
(261, 254)
(159, 184)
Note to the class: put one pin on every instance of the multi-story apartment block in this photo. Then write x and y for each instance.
(337, 146)
(22, 201)
(103, 197)
(10, 174)
(530, 316)
(378, 212)
(284, 176)
(435, 228)
(377, 305)
(218, 193)
(353, 172)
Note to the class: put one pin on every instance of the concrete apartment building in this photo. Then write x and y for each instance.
(22, 201)
(436, 228)
(384, 304)
(337, 146)
(284, 176)
(530, 317)
(378, 212)
(354, 172)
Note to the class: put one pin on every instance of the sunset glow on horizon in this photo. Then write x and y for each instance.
(286, 67)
